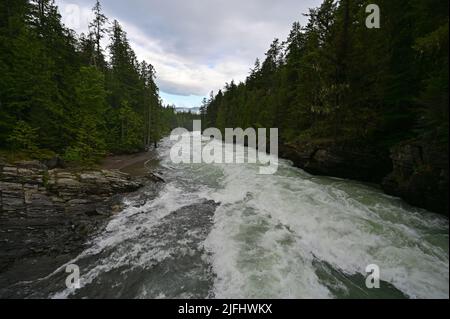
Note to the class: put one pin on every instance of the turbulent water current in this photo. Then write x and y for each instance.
(224, 231)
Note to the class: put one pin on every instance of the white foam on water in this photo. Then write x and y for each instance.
(269, 229)
(121, 242)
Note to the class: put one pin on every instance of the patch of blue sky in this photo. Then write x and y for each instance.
(188, 101)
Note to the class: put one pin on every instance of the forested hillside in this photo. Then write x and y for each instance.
(336, 79)
(353, 102)
(61, 93)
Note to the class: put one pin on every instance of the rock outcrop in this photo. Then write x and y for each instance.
(420, 175)
(416, 171)
(52, 212)
(364, 163)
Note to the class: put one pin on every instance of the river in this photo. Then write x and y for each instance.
(223, 231)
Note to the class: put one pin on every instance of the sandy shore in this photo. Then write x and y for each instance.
(135, 164)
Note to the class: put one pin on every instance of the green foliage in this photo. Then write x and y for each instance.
(73, 155)
(185, 120)
(131, 129)
(51, 79)
(88, 147)
(331, 79)
(433, 100)
(23, 137)
(335, 79)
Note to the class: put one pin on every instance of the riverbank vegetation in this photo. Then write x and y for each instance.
(349, 101)
(64, 94)
(335, 79)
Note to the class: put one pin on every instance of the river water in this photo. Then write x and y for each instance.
(223, 231)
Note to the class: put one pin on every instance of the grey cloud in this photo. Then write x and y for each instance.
(209, 41)
(206, 30)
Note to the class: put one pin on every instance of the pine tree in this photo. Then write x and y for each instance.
(97, 33)
(60, 88)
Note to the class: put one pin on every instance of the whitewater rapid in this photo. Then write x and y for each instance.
(224, 231)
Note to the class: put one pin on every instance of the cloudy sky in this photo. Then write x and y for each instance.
(195, 45)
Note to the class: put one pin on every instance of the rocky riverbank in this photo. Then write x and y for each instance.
(416, 171)
(420, 175)
(48, 214)
(363, 163)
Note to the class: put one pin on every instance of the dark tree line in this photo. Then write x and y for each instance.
(335, 79)
(63, 94)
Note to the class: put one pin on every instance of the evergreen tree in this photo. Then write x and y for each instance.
(336, 79)
(57, 91)
(97, 33)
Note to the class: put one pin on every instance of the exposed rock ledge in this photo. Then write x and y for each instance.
(52, 212)
(363, 163)
(415, 170)
(420, 175)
